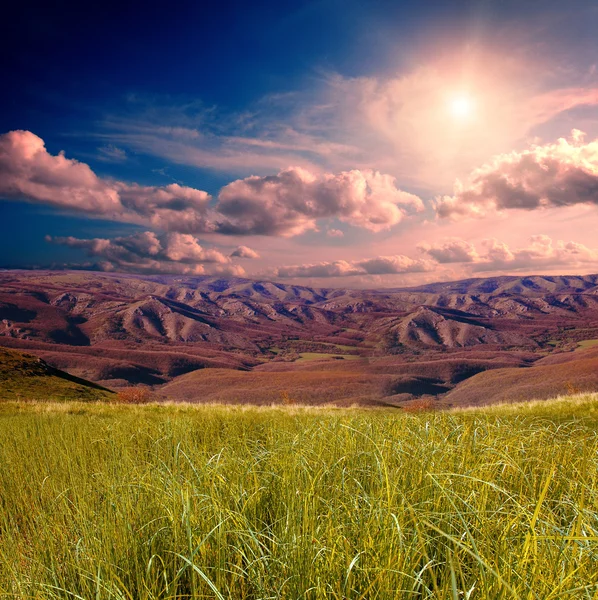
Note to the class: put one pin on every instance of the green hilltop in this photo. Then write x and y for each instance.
(27, 377)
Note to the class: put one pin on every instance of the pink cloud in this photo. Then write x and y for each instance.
(493, 255)
(292, 201)
(28, 172)
(148, 252)
(453, 250)
(549, 104)
(335, 233)
(551, 175)
(285, 204)
(172, 207)
(380, 265)
(244, 252)
(398, 122)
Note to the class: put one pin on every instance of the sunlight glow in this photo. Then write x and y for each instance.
(462, 106)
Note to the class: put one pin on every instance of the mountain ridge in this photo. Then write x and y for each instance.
(120, 330)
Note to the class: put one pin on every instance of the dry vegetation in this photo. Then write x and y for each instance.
(151, 502)
(264, 387)
(206, 339)
(133, 395)
(568, 373)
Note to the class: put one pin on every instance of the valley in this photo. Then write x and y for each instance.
(208, 339)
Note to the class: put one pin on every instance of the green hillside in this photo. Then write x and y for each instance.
(26, 377)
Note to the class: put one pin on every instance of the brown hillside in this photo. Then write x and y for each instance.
(519, 385)
(119, 330)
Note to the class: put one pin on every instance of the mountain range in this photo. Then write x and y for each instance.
(208, 339)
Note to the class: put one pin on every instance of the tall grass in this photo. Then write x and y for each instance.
(150, 502)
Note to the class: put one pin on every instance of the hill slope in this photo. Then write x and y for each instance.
(121, 330)
(25, 377)
(557, 375)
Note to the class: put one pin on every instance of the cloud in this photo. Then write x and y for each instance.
(453, 250)
(292, 201)
(171, 207)
(111, 153)
(285, 204)
(268, 136)
(403, 123)
(542, 252)
(338, 268)
(399, 122)
(337, 233)
(244, 252)
(381, 265)
(28, 172)
(148, 252)
(551, 175)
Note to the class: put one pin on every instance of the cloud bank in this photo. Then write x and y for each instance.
(551, 175)
(286, 204)
(147, 252)
(491, 255)
(381, 265)
(494, 255)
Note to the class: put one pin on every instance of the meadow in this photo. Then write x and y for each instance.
(101, 501)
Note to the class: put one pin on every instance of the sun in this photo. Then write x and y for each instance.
(461, 106)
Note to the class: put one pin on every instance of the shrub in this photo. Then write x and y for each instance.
(420, 405)
(134, 395)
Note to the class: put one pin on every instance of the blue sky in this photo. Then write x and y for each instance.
(352, 143)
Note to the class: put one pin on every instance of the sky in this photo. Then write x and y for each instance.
(327, 143)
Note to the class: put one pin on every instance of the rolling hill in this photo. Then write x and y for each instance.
(163, 331)
(25, 377)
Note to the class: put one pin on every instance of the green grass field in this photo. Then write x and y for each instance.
(307, 356)
(587, 344)
(102, 501)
